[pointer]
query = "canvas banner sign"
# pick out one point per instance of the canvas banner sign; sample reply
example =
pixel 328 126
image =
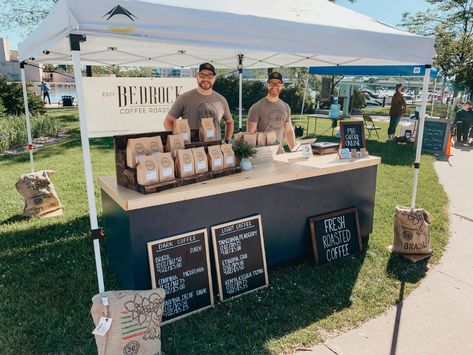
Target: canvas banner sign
pixel 118 106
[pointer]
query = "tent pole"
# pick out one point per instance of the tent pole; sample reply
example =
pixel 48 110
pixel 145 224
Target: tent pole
pixel 75 52
pixel 27 114
pixel 420 133
pixel 240 91
pixel 305 92
pixel 433 98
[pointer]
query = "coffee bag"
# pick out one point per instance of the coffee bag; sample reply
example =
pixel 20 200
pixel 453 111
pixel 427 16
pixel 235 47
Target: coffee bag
pixel 238 136
pixel 165 167
pixel 147 170
pixel 181 127
pixel 261 139
pixel 174 143
pixel 250 138
pixel 135 150
pixel 207 131
pixel 185 163
pixel 155 145
pixel 271 138
pixel 200 160
pixel 215 158
pixel 228 156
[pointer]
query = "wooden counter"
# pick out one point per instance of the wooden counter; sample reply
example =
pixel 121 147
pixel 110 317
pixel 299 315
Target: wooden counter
pixel 286 193
pixel 286 167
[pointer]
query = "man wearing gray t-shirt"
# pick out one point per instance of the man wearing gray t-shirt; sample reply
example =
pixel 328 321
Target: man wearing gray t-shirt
pixel 272 114
pixel 200 103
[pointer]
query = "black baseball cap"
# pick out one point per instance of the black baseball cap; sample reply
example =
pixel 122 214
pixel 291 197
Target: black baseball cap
pixel 207 66
pixel 275 75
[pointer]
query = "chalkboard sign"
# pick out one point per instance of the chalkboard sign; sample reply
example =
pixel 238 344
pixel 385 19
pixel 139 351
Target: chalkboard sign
pixel 181 266
pixel 335 235
pixel 240 258
pixel 352 135
pixel 435 135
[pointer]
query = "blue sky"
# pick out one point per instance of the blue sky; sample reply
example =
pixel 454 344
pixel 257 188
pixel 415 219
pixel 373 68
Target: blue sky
pixel 387 11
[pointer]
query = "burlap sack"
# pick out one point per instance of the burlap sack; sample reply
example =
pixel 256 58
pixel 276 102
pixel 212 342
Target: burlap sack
pixel 136 321
pixel 411 231
pixel 40 196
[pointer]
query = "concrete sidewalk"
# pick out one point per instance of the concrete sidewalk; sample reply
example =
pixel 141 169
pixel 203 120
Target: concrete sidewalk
pixel 437 317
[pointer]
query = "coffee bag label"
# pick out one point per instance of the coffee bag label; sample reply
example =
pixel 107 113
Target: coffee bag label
pixel 210 133
pixel 151 175
pixel 230 160
pixel 167 172
pixel 218 162
pixel 201 165
pixel 187 168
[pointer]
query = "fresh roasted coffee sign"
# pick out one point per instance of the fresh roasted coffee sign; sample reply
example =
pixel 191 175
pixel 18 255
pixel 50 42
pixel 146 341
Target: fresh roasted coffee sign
pixel 335 235
pixel 240 257
pixel 181 266
pixel 117 106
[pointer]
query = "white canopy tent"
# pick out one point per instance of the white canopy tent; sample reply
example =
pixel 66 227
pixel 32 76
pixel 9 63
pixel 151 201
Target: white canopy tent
pixel 227 33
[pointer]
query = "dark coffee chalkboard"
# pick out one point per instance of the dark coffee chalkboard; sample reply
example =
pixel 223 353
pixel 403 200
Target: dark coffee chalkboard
pixel 435 135
pixel 240 258
pixel 335 235
pixel 181 266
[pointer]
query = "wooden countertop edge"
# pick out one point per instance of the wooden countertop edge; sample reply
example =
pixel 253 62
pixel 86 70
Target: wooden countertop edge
pixel 227 184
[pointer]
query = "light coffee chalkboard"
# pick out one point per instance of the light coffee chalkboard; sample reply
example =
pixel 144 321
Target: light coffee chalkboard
pixel 352 135
pixel 335 235
pixel 240 258
pixel 181 266
pixel 436 134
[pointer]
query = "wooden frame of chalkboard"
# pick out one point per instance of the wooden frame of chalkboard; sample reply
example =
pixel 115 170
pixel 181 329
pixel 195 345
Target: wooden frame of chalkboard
pixel 191 272
pixel 358 125
pixel 254 278
pixel 436 135
pixel 335 242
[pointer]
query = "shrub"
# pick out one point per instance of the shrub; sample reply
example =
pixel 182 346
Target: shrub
pixel 13 129
pixel 11 99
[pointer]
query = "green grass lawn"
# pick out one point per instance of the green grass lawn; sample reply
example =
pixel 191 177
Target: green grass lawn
pixel 47 270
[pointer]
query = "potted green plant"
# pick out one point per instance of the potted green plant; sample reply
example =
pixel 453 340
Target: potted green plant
pixel 243 151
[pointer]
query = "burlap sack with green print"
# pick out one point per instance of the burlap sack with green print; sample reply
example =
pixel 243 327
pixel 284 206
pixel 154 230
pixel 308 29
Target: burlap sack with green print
pixel 411 231
pixel 136 322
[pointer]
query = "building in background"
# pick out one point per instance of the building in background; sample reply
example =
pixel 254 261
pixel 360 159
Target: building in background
pixel 10 66
pixel 176 72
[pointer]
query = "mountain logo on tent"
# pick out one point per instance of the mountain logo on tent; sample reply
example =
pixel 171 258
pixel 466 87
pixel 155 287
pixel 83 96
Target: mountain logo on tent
pixel 118 10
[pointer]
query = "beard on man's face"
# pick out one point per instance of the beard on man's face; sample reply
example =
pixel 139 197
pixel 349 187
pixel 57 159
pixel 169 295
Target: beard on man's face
pixel 205 84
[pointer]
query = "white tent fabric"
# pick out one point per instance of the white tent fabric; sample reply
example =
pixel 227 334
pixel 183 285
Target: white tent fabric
pixel 269 33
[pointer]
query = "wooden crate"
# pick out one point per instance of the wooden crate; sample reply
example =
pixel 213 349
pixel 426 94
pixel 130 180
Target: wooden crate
pixel 126 176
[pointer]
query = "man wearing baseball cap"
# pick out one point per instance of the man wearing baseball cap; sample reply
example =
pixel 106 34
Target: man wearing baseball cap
pixel 272 114
pixel 202 102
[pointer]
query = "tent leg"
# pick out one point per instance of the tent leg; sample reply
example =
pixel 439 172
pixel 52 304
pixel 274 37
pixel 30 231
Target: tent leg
pixel 75 52
pixel 305 91
pixel 27 114
pixel 240 90
pixel 420 133
pixel 433 99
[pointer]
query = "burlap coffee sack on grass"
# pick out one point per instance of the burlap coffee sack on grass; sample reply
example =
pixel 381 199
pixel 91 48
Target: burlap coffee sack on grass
pixel 136 321
pixel 411 231
pixel 40 196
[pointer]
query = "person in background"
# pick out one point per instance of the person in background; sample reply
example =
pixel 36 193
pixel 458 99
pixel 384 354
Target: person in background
pixel 202 102
pixel 272 114
pixel 463 121
pixel 398 108
pixel 45 90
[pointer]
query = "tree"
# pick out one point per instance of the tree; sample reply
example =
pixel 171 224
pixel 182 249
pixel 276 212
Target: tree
pixel 22 17
pixel 11 99
pixel 451 22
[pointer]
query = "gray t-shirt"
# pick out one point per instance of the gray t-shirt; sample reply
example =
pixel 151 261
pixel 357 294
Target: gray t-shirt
pixel 270 116
pixel 194 106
